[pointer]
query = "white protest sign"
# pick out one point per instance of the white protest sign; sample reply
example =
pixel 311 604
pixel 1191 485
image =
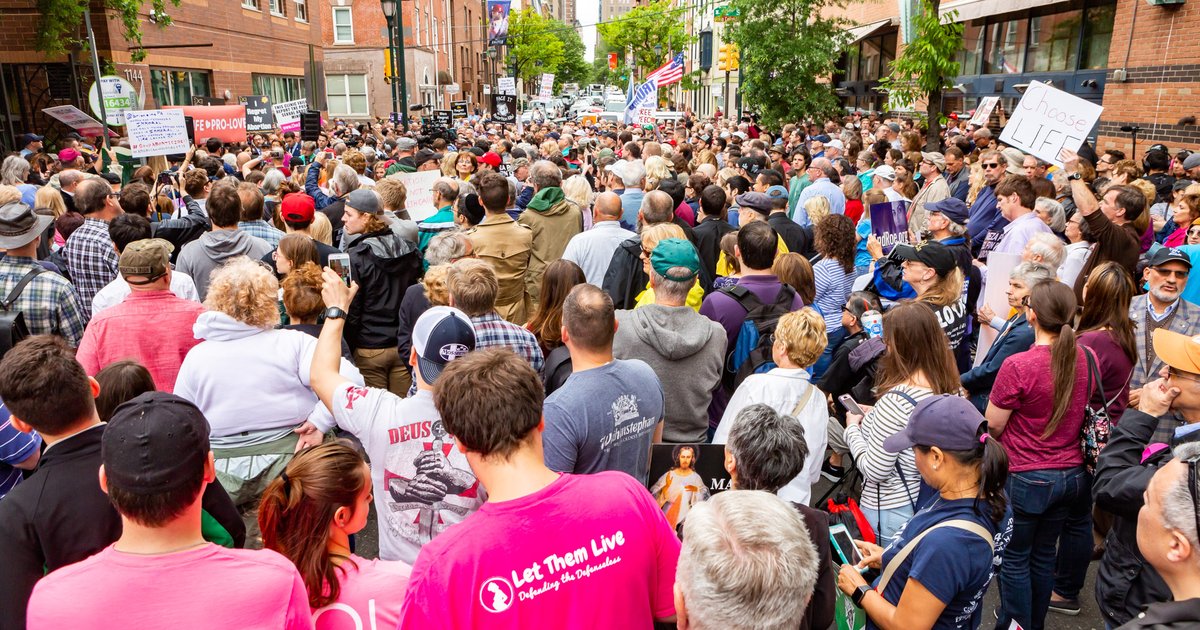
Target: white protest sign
pixel 999 266
pixel 420 193
pixel 506 85
pixel 1048 120
pixel 156 132
pixel 984 111
pixel 73 117
pixel 287 114
pixel 547 87
pixel 644 115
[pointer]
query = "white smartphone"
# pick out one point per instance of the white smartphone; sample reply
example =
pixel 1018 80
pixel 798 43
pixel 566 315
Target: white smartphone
pixel 340 264
pixel 843 544
pixel 847 401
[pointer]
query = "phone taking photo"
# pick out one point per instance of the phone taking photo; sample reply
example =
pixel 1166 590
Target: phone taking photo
pixel 843 545
pixel 340 264
pixel 847 401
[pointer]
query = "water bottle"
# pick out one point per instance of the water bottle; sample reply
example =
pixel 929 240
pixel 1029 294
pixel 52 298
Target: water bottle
pixel 872 322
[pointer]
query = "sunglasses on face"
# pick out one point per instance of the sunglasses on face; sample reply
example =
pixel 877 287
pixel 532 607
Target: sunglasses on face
pixel 990 166
pixel 1182 274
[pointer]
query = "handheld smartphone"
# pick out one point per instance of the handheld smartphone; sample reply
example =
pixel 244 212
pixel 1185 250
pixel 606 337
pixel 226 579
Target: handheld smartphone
pixel 165 178
pixel 340 264
pixel 843 545
pixel 846 400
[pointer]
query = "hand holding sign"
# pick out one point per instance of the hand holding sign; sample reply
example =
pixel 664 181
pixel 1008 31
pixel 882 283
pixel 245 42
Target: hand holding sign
pixel 1048 121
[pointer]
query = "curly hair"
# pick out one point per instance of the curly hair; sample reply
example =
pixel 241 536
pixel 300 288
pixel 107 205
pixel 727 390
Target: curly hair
pixel 834 236
pixel 245 290
pixel 302 293
pixel 434 285
pixel 803 336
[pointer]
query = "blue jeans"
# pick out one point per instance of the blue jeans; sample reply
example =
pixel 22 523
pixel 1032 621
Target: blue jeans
pixel 1075 548
pixel 1040 501
pixel 833 340
pixel 887 522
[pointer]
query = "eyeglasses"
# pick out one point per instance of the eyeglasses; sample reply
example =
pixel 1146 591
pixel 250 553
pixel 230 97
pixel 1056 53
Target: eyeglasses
pixel 1173 373
pixel 1182 274
pixel 990 166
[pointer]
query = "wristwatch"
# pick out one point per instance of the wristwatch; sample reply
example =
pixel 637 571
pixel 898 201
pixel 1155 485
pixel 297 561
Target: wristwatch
pixel 334 312
pixel 1074 176
pixel 859 594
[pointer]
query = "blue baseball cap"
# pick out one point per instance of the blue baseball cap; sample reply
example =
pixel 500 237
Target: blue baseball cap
pixel 776 192
pixel 948 422
pixel 952 208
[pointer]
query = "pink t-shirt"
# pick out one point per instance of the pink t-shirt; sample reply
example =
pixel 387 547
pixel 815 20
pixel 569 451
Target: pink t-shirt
pixel 203 588
pixel 372 592
pixel 1025 384
pixel 587 551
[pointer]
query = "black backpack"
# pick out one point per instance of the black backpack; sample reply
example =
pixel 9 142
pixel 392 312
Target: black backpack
pixel 751 351
pixel 12 323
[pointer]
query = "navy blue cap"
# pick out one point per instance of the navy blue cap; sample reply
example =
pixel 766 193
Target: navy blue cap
pixel 441 335
pixel 948 422
pixel 952 208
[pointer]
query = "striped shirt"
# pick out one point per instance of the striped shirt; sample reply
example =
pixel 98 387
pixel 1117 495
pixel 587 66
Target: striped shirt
pixel 882 487
pixel 15 447
pixel 833 289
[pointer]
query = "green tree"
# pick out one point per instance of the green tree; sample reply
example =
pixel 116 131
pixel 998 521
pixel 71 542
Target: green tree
pixel 62 23
pixel 788 49
pixel 573 68
pixel 927 66
pixel 643 28
pixel 534 45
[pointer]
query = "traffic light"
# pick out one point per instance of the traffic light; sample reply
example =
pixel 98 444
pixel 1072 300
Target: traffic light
pixel 735 61
pixel 727 58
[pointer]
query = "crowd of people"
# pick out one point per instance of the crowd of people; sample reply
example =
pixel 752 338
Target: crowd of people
pixel 218 367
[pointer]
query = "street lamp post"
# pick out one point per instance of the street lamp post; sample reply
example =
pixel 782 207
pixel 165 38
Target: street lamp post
pixel 395 20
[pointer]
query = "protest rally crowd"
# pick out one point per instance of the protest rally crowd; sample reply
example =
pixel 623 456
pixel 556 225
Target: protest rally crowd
pixel 216 364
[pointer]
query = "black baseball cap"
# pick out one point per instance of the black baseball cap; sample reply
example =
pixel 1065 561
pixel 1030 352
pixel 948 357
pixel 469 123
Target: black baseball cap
pixel 1169 254
pixel 931 253
pixel 751 163
pixel 155 443
pixel 441 335
pixel 425 155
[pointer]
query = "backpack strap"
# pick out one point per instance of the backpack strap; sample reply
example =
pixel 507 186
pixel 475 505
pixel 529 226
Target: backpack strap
pixel 902 555
pixel 744 297
pixel 8 302
pixel 808 394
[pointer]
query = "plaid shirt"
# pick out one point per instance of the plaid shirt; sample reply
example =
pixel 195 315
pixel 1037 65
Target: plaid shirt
pixel 262 230
pixel 492 331
pixel 91 260
pixel 49 303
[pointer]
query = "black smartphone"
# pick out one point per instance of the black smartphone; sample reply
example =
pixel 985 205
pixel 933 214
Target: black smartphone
pixel 191 129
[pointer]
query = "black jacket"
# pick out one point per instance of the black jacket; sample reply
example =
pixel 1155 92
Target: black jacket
pixel 798 238
pixel 59 516
pixel 820 611
pixel 709 232
pixel 625 278
pixel 1125 582
pixel 1184 615
pixel 334 212
pixel 414 303
pixel 185 229
pixel 384 266
pixel 839 378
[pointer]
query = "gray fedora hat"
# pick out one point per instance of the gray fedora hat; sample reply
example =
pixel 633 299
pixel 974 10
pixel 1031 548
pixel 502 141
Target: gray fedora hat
pixel 19 225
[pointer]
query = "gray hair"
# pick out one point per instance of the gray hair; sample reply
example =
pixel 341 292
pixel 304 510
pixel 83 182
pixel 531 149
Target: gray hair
pixel 271 181
pixel 675 291
pixel 758 435
pixel 344 180
pixel 14 170
pixel 748 561
pixel 445 247
pixel 1058 216
pixel 447 188
pixel 1178 509
pixel 635 174
pixel 1049 247
pixel 1032 273
pixel 545 174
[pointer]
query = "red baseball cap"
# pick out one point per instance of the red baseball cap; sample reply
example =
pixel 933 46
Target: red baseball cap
pixel 298 208
pixel 491 158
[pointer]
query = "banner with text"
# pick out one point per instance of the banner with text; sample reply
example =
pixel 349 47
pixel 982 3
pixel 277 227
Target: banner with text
pixel 420 193
pixel 498 22
pixel 156 132
pixel 1048 120
pixel 226 123
pixel 458 109
pixel 76 119
pixel 287 114
pixel 984 111
pixel 546 89
pixel 504 108
pixel 889 223
pixel 506 85
pixel 258 113
pixel 646 95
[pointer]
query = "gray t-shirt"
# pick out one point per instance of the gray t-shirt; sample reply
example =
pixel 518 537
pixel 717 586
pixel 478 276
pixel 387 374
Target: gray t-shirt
pixel 604 419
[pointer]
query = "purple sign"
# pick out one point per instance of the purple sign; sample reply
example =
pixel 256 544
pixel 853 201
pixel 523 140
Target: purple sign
pixel 889 223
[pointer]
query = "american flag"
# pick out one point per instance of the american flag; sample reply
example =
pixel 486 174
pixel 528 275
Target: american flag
pixel 669 73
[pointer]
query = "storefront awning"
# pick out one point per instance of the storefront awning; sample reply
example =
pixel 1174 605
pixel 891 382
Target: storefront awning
pixel 972 9
pixel 859 33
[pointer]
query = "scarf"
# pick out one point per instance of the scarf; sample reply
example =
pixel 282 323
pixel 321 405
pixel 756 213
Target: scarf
pixel 546 198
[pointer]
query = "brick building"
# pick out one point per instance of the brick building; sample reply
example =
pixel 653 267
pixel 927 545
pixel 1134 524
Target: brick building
pixel 221 49
pixel 1130 56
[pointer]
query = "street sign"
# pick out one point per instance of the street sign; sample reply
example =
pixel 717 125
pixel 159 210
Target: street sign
pixel 119 97
pixel 452 88
pixel 725 13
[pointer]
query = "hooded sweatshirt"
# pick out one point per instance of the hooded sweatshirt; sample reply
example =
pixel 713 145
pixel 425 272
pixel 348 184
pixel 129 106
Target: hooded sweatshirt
pixel 250 379
pixel 554 220
pixel 687 352
pixel 201 257
pixel 384 266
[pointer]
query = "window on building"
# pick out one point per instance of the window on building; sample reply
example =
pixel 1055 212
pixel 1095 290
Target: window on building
pixel 279 7
pixel 347 94
pixel 279 89
pixel 435 32
pixel 1097 35
pixel 343 26
pixel 416 32
pixel 1054 42
pixel 177 87
pixel 301 10
pixel 250 4
pixel 1005 47
pixel 970 56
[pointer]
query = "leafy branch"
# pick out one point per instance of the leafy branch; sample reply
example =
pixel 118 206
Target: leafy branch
pixel 62 20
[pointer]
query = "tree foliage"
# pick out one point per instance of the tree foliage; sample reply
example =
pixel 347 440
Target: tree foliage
pixel 62 23
pixel 927 66
pixel 644 27
pixel 573 68
pixel 787 51
pixel 534 44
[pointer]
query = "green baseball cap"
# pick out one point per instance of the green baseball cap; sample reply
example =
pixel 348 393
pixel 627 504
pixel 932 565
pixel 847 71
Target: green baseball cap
pixel 675 252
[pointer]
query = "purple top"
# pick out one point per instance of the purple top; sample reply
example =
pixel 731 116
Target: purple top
pixel 726 311
pixel 1025 385
pixel 1115 369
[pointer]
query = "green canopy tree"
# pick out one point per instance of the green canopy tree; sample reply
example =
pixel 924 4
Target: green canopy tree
pixel 534 45
pixel 62 24
pixel 927 66
pixel 573 68
pixel 788 49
